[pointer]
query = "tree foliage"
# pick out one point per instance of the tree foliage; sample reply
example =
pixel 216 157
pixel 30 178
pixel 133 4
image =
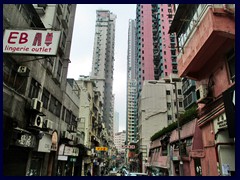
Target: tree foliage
pixel 184 118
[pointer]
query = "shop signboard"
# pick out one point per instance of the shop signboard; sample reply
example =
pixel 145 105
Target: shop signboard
pixel 128 146
pixel 68 151
pixel 220 122
pixel 101 149
pixel 26 140
pixel 23 138
pixel 45 143
pixel 35 42
pixel 61 149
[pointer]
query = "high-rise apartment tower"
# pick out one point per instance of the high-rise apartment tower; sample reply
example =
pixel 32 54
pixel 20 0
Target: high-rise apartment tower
pixel 103 62
pixel 131 84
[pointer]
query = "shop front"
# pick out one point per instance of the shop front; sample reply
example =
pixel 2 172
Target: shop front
pixel 67 157
pixel 41 160
pixel 15 157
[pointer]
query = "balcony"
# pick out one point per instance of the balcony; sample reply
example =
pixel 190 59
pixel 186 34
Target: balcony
pixel 188 86
pixel 213 37
pixel 189 100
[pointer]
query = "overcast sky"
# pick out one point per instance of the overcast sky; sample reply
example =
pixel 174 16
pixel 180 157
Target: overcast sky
pixel 82 48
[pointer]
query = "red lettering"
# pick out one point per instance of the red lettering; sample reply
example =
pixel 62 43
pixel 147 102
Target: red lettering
pixel 12 37
pixel 23 38
pixel 48 39
pixel 37 39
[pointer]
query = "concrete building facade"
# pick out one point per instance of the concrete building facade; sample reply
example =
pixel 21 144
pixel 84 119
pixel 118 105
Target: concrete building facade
pixel 38 105
pixel 157 109
pixel 119 141
pixel 131 85
pixel 116 122
pixel 207 55
pixel 103 62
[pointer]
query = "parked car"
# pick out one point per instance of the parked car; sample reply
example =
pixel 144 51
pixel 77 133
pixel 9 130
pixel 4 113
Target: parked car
pixel 125 172
pixel 112 173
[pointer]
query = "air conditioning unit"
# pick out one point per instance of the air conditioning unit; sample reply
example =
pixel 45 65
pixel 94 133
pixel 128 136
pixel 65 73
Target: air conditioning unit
pixel 201 92
pixel 36 104
pixel 65 134
pixel 48 124
pixel 38 121
pixel 22 69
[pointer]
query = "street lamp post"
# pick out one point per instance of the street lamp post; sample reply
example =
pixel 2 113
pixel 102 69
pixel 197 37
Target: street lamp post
pixel 179 135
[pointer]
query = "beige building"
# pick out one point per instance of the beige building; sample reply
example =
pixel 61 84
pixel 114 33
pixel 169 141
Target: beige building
pixel 92 126
pixel 119 141
pixel 157 109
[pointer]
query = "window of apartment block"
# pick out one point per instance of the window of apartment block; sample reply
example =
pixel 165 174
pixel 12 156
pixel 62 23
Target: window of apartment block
pixel 168 92
pixel 180 104
pixel 169 117
pixel 73 121
pixel 59 71
pixel 169 105
pixel 11 77
pixel 231 64
pixel 34 89
pixel 179 91
pixel 58 109
pixel 45 98
pixel 63 113
pixel 68 117
pixel 55 106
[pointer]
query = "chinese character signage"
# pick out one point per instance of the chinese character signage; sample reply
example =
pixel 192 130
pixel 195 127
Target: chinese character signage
pixel 128 146
pixel 36 42
pixel 101 148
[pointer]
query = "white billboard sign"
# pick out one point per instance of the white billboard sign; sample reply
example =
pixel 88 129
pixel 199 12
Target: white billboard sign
pixel 36 42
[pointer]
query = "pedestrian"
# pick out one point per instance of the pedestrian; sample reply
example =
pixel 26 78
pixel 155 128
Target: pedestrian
pixel 102 172
pixel 89 173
